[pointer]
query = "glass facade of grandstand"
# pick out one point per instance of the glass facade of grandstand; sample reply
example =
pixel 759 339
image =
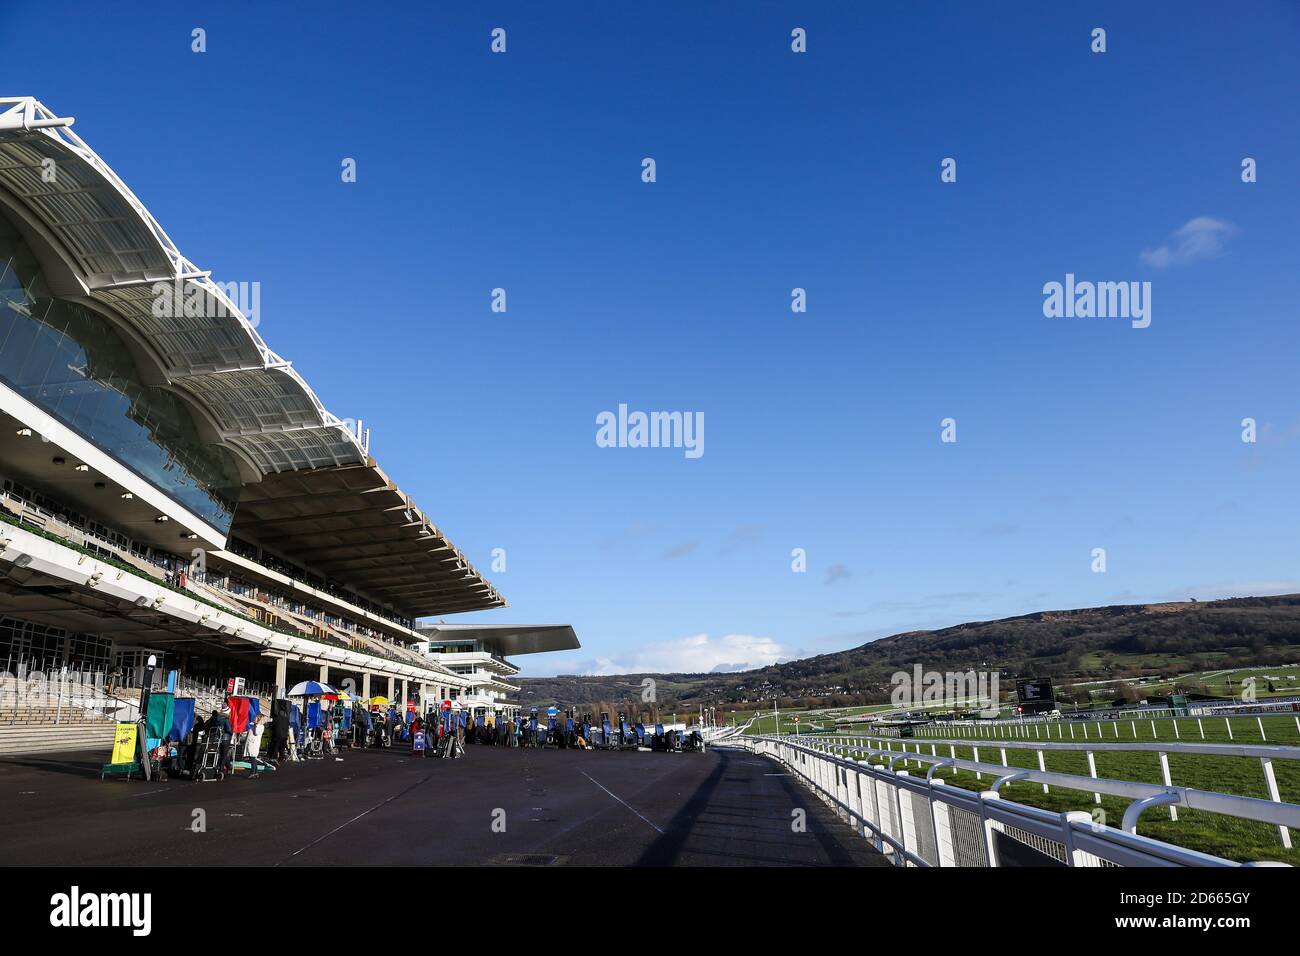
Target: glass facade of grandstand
pixel 66 359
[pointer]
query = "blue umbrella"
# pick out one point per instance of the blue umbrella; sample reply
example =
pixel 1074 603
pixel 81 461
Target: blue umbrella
pixel 310 688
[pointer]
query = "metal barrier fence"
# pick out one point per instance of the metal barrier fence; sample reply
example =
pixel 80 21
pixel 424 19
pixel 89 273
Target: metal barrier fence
pixel 1266 755
pixel 927 822
pixel 1116 728
pixel 52 697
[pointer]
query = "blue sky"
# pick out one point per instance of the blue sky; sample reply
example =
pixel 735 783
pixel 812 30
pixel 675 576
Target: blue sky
pixel 775 170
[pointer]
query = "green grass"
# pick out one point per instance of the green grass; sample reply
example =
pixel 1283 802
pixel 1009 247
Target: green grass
pixel 1224 683
pixel 764 723
pixel 1223 836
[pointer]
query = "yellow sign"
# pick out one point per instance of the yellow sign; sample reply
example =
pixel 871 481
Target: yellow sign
pixel 124 743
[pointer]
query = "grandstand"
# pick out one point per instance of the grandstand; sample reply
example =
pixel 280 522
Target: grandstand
pixel 172 487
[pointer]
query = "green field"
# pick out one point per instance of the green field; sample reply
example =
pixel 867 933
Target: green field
pixel 1210 833
pixel 765 723
pixel 1231 682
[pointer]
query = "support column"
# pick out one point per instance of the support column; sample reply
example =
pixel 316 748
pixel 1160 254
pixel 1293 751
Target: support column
pixel 324 673
pixel 405 698
pixel 282 673
pixel 391 689
pixel 365 684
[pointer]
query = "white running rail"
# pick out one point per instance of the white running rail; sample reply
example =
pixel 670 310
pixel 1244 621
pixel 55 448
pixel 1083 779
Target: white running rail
pixel 923 821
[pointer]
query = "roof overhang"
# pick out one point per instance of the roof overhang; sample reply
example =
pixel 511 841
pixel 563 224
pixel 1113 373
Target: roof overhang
pixel 353 524
pixel 507 640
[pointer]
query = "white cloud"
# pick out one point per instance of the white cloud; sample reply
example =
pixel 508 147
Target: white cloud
pixel 1196 239
pixel 695 655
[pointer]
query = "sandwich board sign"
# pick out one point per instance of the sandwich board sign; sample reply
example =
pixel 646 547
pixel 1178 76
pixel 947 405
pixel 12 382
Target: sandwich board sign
pixel 125 740
pixel 124 743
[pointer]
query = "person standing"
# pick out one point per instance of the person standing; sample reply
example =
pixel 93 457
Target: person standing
pixel 219 723
pixel 253 746
pixel 279 730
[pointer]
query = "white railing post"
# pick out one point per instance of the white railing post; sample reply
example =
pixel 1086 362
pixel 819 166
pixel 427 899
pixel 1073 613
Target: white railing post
pixel 1271 782
pixel 987 827
pixel 906 820
pixel 855 791
pixel 876 820
pixel 842 779
pixel 943 839
pixel 1164 773
pixel 883 815
pixel 1073 855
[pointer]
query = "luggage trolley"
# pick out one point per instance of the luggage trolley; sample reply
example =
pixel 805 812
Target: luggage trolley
pixel 207 759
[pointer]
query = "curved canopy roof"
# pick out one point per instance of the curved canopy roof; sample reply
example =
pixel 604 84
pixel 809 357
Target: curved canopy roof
pixel 256 402
pixel 320 500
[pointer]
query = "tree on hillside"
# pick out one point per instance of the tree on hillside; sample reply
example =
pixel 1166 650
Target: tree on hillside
pixel 1127 693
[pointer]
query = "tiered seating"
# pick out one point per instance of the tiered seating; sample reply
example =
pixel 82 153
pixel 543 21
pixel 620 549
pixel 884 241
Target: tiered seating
pixel 42 738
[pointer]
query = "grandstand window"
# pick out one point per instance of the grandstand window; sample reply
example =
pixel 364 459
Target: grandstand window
pixel 69 361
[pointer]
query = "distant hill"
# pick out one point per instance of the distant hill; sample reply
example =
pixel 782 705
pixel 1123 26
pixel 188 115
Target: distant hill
pixel 1118 641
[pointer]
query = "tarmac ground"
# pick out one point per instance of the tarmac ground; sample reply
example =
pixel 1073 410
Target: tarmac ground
pixel 496 806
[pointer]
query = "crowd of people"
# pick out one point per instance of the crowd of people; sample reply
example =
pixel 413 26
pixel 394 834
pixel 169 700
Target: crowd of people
pixel 231 737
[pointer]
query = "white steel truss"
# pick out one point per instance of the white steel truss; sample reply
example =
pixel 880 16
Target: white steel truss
pixel 259 404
